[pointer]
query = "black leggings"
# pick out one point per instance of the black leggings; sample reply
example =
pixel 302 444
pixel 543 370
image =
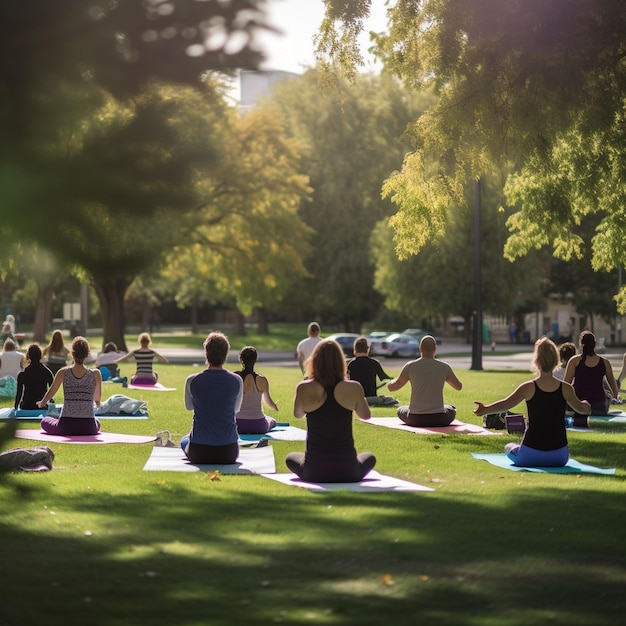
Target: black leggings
pixel 431 420
pixel 324 471
pixel 212 455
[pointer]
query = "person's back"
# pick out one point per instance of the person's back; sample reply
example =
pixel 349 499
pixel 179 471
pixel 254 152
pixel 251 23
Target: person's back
pixel 306 346
pixel 329 431
pixel 33 382
pixel 365 370
pixel 546 414
pixel 427 376
pixel 11 361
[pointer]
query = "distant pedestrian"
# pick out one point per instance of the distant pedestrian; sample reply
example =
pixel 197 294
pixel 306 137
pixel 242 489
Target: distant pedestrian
pixel 306 346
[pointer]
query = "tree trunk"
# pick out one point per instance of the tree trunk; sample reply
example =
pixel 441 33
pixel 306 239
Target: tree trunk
pixel 111 294
pixel 239 323
pixel 42 312
pixel 194 318
pixel 263 325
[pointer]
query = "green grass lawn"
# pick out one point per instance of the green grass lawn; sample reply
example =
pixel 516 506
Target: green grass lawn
pixel 98 541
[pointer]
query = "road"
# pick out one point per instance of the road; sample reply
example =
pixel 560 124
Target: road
pixel 460 357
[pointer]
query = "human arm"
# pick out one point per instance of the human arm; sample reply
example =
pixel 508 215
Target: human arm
pixel 580 406
pixel 622 372
pixel 453 381
pixel 20 390
pixel 571 369
pixel 300 356
pixel 523 392
pixel 97 392
pixel 264 387
pixel 188 396
pixel 56 383
pixel 127 356
pixel 610 377
pixel 160 357
pixel 400 381
pixel 299 399
pixel 380 372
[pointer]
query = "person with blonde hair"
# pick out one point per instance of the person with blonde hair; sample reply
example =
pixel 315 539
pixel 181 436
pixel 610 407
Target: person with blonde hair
pixel 144 356
pixel 55 354
pixel 327 399
pixel 545 441
pixel 82 388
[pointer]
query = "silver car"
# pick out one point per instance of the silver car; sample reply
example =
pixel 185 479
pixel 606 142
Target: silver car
pixel 395 345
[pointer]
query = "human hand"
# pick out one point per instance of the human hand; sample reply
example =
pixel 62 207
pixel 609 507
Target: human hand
pixel 587 404
pixel 480 409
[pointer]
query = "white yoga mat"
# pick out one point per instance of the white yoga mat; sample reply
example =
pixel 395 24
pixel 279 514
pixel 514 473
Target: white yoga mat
pixel 456 427
pixel 372 483
pixel 250 461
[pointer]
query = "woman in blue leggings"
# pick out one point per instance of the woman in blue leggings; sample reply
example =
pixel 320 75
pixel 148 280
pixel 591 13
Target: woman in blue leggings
pixel 545 441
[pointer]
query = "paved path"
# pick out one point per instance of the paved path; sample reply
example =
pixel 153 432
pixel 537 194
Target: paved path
pixel 460 357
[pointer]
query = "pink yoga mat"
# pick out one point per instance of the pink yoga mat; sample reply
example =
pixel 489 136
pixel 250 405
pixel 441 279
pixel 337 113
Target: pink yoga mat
pixel 456 427
pixel 40 435
pixel 155 387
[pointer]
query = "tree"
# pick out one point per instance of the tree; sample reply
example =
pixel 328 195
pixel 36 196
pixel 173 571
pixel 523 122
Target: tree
pixel 536 87
pixel 353 137
pixel 438 279
pixel 141 173
pixel 256 253
pixel 58 59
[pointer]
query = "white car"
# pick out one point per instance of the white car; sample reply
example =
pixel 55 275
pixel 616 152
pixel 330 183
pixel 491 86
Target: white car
pixel 395 345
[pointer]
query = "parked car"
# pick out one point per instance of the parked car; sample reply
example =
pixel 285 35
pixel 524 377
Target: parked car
pixel 346 341
pixel 380 334
pixel 418 333
pixel 395 345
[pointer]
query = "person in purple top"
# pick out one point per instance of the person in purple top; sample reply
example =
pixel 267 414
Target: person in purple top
pixel 587 372
pixel 214 395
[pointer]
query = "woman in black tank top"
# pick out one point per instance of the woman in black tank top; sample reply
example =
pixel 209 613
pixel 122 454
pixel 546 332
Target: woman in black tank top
pixel 327 399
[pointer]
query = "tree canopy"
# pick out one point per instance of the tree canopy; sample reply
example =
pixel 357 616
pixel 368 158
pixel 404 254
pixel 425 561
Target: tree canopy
pixel 535 87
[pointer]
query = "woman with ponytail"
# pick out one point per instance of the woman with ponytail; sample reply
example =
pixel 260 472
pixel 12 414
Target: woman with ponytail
pixel 586 372
pixel 256 389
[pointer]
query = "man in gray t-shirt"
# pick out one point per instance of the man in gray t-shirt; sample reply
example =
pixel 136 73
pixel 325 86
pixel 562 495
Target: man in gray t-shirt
pixel 427 376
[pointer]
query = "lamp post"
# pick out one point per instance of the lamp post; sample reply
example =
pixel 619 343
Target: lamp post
pixel 477 337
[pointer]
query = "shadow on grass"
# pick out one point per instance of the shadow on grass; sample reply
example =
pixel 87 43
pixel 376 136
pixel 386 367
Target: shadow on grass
pixel 237 553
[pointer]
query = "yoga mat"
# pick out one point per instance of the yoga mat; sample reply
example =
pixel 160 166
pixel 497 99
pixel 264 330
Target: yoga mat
pixel 157 387
pixel 280 432
pixel 35 415
pixel 103 437
pixel 572 467
pixel 372 483
pixel 456 428
pixel 617 417
pixel 250 461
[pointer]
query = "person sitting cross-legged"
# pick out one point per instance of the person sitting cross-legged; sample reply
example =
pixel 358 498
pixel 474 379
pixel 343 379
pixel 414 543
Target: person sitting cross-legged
pixel 427 376
pixel 366 370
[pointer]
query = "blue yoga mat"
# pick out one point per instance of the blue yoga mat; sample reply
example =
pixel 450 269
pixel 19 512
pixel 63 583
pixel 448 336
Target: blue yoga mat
pixel 35 415
pixel 572 467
